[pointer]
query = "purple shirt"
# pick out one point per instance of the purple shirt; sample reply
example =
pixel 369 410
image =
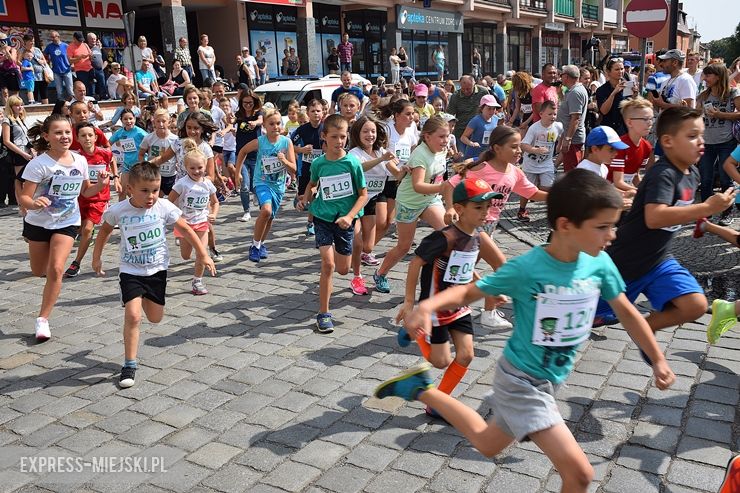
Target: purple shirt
pixel 345 52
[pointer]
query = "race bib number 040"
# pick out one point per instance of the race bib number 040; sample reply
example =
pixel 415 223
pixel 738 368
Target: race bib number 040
pixel 146 236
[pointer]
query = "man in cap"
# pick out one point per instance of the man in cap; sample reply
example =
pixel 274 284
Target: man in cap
pixel 680 89
pixel 465 102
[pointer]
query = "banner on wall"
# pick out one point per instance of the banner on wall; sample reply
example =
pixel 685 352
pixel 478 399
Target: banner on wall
pixel 57 12
pixel 265 42
pixel 13 11
pixel 103 14
pixel 15 35
pixel 294 3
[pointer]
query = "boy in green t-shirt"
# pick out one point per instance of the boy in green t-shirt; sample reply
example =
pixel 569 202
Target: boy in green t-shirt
pixel 555 288
pixel 341 195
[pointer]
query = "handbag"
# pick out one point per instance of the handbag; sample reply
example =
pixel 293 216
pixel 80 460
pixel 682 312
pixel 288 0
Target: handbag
pixel 48 74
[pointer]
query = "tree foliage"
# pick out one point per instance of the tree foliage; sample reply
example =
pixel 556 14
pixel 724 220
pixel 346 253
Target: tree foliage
pixel 727 48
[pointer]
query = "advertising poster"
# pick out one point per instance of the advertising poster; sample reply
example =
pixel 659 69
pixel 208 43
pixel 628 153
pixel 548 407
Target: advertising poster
pixel 285 41
pixel 328 41
pixel 15 35
pixel 265 42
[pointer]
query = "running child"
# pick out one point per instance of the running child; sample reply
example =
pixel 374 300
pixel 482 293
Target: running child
pixel 342 194
pixel 624 170
pixel 444 259
pixel 368 140
pixel 538 146
pixel 602 146
pixel 665 201
pixel 154 144
pixel 555 288
pixel 129 138
pixel 144 256
pixel 292 123
pixel 307 144
pixel 275 158
pixel 80 113
pixel 229 146
pixel 349 106
pixel 195 195
pixel 92 208
pixel 53 181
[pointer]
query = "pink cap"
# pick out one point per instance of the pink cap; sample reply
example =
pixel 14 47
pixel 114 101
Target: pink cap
pixel 421 90
pixel 489 100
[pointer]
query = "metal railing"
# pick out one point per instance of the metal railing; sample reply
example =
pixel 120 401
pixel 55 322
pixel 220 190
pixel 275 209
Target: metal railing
pixel 533 4
pixel 590 11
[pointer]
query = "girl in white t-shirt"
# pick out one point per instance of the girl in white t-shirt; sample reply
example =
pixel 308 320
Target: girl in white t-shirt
pixel 52 182
pixel 195 195
pixel 155 144
pixel 368 140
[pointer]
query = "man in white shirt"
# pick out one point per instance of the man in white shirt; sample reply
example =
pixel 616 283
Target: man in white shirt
pixel 79 92
pixel 692 68
pixel 251 64
pixel 680 89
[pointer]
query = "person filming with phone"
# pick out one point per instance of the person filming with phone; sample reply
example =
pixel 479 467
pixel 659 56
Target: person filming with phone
pixel 612 92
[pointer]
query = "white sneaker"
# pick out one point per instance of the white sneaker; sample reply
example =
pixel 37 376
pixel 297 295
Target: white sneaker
pixel 42 330
pixel 494 320
pixel 246 217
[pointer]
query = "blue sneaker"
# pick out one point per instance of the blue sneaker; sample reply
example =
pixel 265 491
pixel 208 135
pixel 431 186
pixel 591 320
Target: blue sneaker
pixel 602 321
pixel 310 231
pixel 403 337
pixel 381 283
pixel 254 254
pixel 407 385
pixel 324 323
pixel 263 252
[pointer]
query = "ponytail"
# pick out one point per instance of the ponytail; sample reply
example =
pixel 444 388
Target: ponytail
pixel 35 133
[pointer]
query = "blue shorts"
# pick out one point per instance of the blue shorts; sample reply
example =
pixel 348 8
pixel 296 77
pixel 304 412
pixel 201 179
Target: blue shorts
pixel 229 157
pixel 665 282
pixel 328 234
pixel 266 194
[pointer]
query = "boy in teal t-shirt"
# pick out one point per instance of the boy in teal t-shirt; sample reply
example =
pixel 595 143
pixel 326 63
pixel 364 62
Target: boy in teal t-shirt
pixel 555 289
pixel 341 194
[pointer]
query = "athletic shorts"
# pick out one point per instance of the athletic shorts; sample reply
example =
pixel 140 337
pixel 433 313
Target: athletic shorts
pixel 441 334
pixel 665 282
pixel 369 209
pixel 328 234
pixel 92 210
pixel 229 157
pixel 405 215
pixel 150 287
pixel 218 149
pixel 37 233
pixel 167 183
pixel 521 403
pixel 197 227
pixel 545 179
pixel 390 189
pixel 266 194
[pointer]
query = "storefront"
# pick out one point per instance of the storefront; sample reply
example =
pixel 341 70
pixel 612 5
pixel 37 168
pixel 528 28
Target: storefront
pixel 272 30
pixel 520 49
pixel 423 31
pixel 366 29
pixel 576 55
pixel 41 17
pixel 482 37
pixel 328 30
pixel 552 43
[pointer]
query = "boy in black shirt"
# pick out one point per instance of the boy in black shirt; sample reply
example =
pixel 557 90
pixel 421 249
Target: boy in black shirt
pixel 307 145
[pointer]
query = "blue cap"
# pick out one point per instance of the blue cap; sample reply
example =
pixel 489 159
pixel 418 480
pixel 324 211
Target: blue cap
pixel 627 63
pixel 604 135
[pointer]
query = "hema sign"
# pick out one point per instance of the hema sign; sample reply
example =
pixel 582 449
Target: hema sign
pixel 428 20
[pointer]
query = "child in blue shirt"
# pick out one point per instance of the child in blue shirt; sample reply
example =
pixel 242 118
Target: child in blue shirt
pixel 555 289
pixel 129 140
pixel 27 80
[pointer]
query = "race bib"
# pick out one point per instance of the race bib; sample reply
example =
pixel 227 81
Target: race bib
pixel 272 165
pixel 422 121
pixel 66 187
pixel 196 201
pixel 460 267
pixel 402 152
pixel 564 319
pixel 336 187
pixel 679 203
pixel 143 236
pixel 526 108
pixel 94 170
pixel 128 145
pixel 308 157
pixel 486 137
pixel 375 185
pixel 627 178
pixel 168 169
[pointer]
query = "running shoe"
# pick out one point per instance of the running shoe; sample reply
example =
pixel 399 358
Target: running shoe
pixel 723 319
pixel 324 323
pixel 369 259
pixel 357 284
pixel 42 330
pixel 381 283
pixel 254 254
pixel 700 228
pixel 310 231
pixel 602 321
pixel 199 288
pixel 408 385
pixel 731 484
pixel 403 338
pixel 74 270
pixel 494 319
pixel 263 252
pixel 245 218
pixel 128 377
pixel 523 216
pixel 724 218
pixel 220 196
pixel 216 256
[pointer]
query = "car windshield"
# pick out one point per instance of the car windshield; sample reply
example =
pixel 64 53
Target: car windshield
pixel 279 98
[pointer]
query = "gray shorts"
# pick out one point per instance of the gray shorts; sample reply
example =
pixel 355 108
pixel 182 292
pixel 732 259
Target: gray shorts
pixel 545 179
pixel 522 404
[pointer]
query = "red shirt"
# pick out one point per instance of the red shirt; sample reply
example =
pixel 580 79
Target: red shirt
pixel 100 157
pixel 540 94
pixel 629 161
pixel 100 140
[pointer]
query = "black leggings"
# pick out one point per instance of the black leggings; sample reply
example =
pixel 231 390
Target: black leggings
pixel 40 90
pixel 7 183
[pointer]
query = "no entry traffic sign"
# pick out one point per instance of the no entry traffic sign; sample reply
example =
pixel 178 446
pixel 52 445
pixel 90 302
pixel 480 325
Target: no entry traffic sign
pixel 645 18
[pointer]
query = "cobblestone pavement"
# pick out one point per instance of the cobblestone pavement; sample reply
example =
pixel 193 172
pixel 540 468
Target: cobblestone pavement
pixel 236 392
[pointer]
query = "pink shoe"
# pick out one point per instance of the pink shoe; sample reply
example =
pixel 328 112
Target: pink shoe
pixel 358 286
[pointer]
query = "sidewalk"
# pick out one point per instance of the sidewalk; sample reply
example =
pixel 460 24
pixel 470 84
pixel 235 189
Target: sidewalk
pixel 236 392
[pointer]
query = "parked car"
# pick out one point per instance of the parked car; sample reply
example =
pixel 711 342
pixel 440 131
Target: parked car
pixel 302 90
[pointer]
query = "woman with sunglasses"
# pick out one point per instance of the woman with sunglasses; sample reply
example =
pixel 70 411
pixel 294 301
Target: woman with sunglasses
pixel 611 94
pixel 248 128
